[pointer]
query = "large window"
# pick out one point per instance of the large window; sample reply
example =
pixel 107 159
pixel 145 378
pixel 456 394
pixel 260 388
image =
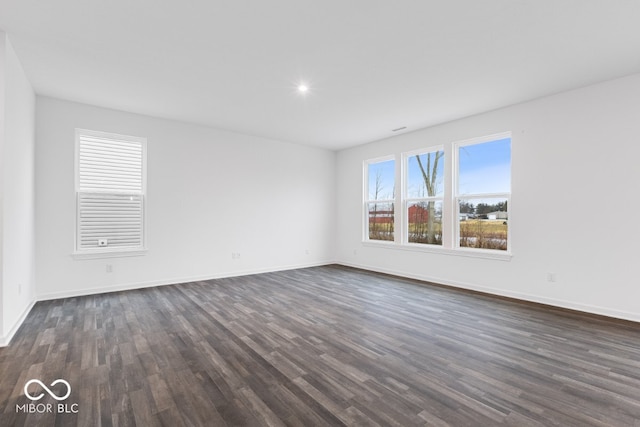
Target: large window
pixel 482 193
pixel 454 197
pixel 110 192
pixel 380 199
pixel 424 194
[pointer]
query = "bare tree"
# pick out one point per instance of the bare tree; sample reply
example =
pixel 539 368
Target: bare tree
pixel 373 231
pixel 430 176
pixel 382 227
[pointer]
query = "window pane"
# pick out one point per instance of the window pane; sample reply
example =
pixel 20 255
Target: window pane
pixel 110 189
pixel 483 223
pixel 381 218
pixel 425 173
pixel 381 181
pixel 485 167
pixel 114 219
pixel 425 222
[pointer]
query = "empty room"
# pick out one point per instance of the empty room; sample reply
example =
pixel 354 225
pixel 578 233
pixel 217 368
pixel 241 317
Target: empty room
pixel 319 213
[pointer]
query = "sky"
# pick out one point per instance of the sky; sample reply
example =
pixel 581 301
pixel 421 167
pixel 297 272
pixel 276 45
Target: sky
pixel 385 171
pixel 484 168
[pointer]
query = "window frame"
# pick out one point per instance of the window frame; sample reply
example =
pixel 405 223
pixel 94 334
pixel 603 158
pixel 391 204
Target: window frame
pixel 118 251
pixel 366 201
pixel 457 196
pixel 450 201
pixel 406 200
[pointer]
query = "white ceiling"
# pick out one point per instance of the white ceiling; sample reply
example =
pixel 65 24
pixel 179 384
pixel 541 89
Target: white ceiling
pixel 372 65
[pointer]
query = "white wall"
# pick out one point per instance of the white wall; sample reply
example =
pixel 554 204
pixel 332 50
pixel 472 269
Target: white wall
pixel 210 193
pixel 17 192
pixel 3 78
pixel 575 199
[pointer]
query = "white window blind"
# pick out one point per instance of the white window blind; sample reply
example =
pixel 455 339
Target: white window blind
pixel 110 192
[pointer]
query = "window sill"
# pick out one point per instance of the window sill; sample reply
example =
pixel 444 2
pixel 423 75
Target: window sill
pixel 118 253
pixel 466 252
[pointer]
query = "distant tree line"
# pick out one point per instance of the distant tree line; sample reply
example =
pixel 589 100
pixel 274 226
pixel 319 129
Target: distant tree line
pixel 482 208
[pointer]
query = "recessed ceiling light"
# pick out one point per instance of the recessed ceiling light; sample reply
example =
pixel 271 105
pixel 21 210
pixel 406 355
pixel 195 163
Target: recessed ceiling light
pixel 303 88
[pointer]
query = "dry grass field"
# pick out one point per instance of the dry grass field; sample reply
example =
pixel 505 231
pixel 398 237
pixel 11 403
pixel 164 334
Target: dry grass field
pixel 484 233
pixel 474 233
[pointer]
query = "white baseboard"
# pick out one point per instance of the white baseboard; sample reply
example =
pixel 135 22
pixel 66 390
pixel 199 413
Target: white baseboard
pixel 601 311
pixel 6 339
pixel 169 281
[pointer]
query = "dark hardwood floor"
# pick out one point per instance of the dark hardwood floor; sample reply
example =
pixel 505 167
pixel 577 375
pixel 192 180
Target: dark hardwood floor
pixel 319 346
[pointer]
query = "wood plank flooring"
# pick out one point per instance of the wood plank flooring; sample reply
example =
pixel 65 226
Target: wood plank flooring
pixel 325 346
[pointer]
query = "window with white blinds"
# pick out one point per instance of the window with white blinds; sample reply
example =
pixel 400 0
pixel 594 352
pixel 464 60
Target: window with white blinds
pixel 110 192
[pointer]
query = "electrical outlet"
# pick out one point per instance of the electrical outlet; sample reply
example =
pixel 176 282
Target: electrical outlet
pixel 235 255
pixel 306 251
pixel 551 277
pixel 109 268
pixel 19 288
